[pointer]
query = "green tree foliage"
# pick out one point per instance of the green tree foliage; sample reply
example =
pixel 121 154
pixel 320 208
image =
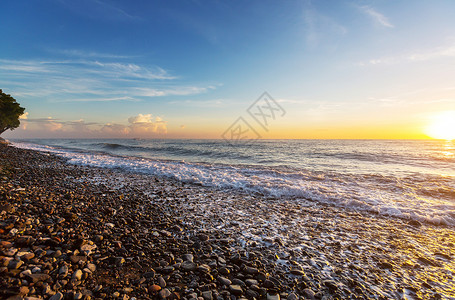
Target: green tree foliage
pixel 10 111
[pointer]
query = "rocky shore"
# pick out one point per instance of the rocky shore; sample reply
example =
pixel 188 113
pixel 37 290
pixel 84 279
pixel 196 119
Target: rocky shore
pixel 73 232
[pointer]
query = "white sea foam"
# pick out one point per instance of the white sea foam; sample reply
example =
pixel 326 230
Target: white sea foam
pixel 385 196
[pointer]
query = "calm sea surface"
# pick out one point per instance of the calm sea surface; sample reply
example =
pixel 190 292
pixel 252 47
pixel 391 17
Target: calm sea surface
pixel 412 179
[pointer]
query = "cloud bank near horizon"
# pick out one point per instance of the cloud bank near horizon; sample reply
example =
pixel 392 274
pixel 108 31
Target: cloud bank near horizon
pixel 138 126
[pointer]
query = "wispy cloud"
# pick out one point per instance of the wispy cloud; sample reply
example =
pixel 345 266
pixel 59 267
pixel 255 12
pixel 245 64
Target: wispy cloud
pixel 99 10
pixel 101 99
pixel 87 67
pixel 448 51
pixel 87 54
pixel 203 103
pixel 319 27
pixel 415 56
pixel 376 16
pixel 174 91
pixel 81 80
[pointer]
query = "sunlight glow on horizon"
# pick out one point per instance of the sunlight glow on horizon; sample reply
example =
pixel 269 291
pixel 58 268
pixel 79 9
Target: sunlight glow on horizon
pixel 442 126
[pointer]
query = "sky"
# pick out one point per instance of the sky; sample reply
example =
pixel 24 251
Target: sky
pixel 219 69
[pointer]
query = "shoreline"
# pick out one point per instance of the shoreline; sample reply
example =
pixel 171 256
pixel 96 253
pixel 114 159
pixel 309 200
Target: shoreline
pixel 90 233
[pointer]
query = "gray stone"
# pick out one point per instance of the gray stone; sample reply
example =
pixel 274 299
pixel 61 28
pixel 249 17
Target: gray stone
pixel 331 284
pixel 203 237
pixel 251 282
pixel 292 296
pixel 251 270
pixel 164 293
pixel 161 282
pixel 297 271
pixel 273 297
pixel 238 282
pixel 224 281
pixel 188 257
pixel 15 264
pixel 57 296
pixel 207 295
pixel 236 289
pixel 167 270
pixel 63 272
pixel 309 294
pixel 252 294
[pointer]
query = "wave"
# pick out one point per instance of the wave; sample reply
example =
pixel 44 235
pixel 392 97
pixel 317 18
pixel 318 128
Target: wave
pixel 423 198
pixel 112 146
pixel 170 150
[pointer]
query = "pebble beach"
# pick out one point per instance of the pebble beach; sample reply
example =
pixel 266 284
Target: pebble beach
pixel 78 232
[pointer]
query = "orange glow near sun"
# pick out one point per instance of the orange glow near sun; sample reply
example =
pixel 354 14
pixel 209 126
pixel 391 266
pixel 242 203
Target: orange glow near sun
pixel 442 126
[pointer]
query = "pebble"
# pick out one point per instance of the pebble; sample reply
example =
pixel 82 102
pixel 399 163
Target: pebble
pixel 63 271
pixel 236 289
pixel 24 290
pixel 203 237
pixel 155 288
pixel 250 270
pixel 308 293
pixel 224 281
pixel 207 295
pixel 77 275
pixel 188 257
pixel 203 268
pixel 38 277
pixel 292 296
pixel 273 297
pixel 173 241
pixel 57 296
pixel 161 282
pixel 15 264
pixel 164 293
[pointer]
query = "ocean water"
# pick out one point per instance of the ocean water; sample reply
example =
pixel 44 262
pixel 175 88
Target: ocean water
pixel 410 179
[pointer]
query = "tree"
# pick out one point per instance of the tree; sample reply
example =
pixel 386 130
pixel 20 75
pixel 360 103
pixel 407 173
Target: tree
pixel 10 111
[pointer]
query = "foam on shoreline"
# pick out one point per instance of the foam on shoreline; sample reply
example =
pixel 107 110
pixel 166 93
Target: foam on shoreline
pixel 373 193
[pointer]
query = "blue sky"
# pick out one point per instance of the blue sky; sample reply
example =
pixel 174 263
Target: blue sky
pixel 340 69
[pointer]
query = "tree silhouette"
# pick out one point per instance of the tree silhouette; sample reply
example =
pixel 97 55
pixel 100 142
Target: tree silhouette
pixel 10 111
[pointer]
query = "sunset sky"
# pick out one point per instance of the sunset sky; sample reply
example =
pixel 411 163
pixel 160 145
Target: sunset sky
pixel 190 69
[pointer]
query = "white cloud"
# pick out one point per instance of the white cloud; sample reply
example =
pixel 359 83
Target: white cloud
pixel 48 124
pixel 110 129
pixel 141 125
pixel 140 118
pixel 377 17
pixel 77 80
pixel 23 116
pixel 144 124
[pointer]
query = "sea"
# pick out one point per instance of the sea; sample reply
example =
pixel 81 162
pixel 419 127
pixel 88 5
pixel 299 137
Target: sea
pixel 408 179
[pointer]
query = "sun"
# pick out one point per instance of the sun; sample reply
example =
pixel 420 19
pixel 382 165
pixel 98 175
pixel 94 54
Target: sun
pixel 442 126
